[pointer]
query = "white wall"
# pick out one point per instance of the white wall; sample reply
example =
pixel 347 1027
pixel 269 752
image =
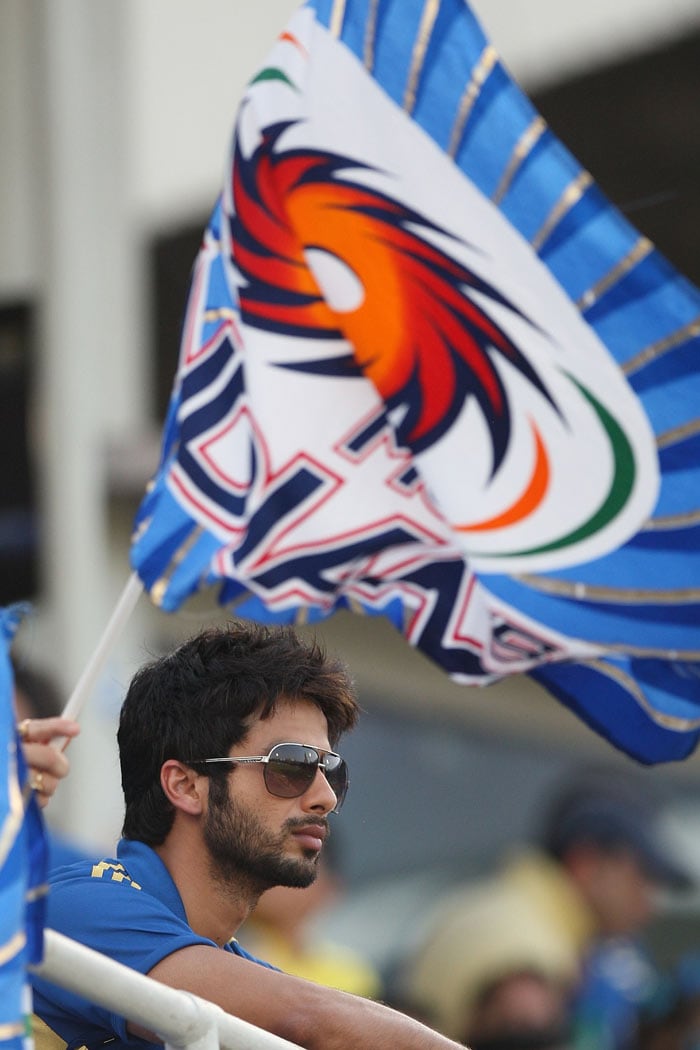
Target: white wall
pixel 17 249
pixel 186 73
pixel 546 40
pixel 184 67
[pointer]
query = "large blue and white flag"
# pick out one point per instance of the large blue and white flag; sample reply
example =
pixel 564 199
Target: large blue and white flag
pixel 23 861
pixel 428 371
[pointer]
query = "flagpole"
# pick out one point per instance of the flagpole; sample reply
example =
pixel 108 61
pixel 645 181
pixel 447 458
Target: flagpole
pixel 88 679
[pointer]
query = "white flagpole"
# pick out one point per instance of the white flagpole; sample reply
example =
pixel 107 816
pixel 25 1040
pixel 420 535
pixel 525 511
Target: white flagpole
pixel 88 679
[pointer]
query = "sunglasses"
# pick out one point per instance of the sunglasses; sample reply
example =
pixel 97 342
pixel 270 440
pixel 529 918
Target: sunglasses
pixel 290 769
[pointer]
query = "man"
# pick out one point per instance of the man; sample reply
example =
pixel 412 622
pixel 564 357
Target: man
pixel 604 831
pixel 229 772
pixel 570 911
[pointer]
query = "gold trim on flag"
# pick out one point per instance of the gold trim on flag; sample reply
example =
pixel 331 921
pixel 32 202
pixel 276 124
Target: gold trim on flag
pixel 654 652
pixel 224 313
pixel 335 24
pixel 480 73
pixel 157 591
pixel 12 1029
pixel 654 350
pixel 632 686
pixel 569 198
pixel 430 13
pixel 523 148
pixel 639 251
pixel 676 434
pixel 37 892
pixel 370 33
pixel 597 593
pixel 673 521
pixel 143 526
pixel 12 948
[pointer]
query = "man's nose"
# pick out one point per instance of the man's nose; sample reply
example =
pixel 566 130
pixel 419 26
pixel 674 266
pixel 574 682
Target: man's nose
pixel 320 795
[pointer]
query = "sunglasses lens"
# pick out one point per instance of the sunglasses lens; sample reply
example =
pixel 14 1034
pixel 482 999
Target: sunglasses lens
pixel 336 771
pixel 290 770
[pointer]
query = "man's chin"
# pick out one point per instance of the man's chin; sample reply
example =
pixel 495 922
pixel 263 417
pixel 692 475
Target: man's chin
pixel 302 873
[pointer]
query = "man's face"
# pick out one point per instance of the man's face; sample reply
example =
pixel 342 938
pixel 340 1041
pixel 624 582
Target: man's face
pixel 521 1005
pixel 622 894
pixel 252 835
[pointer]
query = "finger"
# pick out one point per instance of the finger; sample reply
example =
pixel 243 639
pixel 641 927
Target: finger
pixel 46 759
pixel 43 785
pixel 44 730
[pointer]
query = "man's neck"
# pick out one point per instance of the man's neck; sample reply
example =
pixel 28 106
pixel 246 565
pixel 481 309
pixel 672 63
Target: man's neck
pixel 215 909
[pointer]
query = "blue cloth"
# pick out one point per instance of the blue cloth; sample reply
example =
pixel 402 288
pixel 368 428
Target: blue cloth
pixel 129 909
pixel 22 859
pixel 618 980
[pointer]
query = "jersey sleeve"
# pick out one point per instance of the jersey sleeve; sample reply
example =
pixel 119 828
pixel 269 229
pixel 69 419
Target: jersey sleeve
pixel 104 909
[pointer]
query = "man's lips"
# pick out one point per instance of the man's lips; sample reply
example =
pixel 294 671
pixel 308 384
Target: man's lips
pixel 311 836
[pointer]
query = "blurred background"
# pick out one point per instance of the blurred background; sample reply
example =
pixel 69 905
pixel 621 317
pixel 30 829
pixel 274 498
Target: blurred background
pixel 115 119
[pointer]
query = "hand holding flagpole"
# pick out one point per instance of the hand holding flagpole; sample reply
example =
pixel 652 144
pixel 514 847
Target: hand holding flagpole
pixel 47 763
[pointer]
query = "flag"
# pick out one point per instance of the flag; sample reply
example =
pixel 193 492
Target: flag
pixel 428 371
pixel 23 864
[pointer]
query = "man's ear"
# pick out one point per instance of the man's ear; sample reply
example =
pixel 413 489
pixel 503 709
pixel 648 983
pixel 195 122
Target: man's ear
pixel 182 786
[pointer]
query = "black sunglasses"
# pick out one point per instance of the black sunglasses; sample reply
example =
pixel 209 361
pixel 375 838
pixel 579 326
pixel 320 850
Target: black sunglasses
pixel 290 769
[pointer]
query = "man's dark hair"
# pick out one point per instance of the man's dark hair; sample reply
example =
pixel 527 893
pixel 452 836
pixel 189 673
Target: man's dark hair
pixel 614 810
pixel 200 700
pixel 595 804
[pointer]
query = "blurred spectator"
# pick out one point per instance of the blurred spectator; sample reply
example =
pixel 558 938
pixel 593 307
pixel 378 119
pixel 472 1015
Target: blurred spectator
pixel 604 831
pixel 672 1019
pixel 525 1010
pixel 37 697
pixel 283 931
pixel 485 938
pixel 570 910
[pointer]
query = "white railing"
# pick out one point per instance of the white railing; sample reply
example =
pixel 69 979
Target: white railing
pixel 181 1020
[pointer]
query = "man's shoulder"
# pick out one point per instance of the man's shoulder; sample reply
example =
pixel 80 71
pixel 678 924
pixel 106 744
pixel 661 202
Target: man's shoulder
pixel 125 907
pixel 86 880
pixel 112 870
pixel 134 865
pixel 94 901
pixel 105 870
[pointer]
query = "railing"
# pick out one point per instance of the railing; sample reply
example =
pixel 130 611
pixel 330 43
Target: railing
pixel 181 1020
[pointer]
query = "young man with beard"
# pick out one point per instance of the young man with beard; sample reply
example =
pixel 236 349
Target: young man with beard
pixel 229 773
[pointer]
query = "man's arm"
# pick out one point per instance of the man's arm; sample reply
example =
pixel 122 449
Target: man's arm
pixel 311 1015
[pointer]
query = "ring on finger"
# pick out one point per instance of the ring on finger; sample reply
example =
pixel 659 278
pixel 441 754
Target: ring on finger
pixel 36 781
pixel 23 728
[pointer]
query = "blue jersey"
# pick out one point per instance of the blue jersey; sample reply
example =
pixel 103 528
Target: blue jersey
pixel 617 982
pixel 129 909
